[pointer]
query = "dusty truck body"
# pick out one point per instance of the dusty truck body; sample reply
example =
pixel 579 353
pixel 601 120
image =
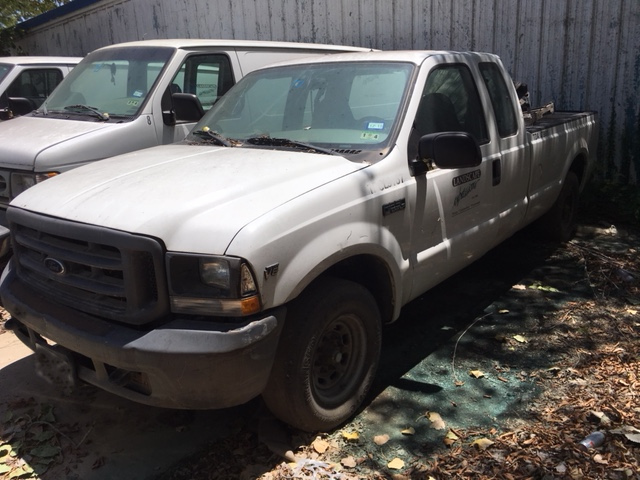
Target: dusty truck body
pixel 25 82
pixel 126 97
pixel 262 255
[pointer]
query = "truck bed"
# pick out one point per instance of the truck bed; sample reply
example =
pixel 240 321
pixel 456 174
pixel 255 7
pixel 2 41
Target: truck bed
pixel 557 118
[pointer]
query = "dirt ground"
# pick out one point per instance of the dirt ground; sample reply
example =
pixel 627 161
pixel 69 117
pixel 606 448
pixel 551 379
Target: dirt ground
pixel 499 372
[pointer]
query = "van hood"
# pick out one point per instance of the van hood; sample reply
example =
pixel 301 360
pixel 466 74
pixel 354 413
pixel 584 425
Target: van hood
pixel 24 138
pixel 194 198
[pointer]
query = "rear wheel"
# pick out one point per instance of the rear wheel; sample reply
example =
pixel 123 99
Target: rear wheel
pixel 559 223
pixel 327 357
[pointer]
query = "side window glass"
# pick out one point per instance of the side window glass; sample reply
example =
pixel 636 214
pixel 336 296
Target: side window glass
pixel 450 103
pixel 500 99
pixel 206 76
pixel 35 85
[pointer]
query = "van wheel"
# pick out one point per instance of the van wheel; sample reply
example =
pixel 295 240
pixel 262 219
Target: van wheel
pixel 327 356
pixel 559 223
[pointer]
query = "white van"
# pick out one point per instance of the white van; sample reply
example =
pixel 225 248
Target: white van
pixel 25 82
pixel 126 97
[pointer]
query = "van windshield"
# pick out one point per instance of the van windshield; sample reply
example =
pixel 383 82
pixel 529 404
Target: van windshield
pixel 109 83
pixel 332 106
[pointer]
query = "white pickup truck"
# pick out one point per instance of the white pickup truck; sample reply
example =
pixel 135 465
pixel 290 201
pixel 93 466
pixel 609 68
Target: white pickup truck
pixel 263 255
pixel 25 82
pixel 126 97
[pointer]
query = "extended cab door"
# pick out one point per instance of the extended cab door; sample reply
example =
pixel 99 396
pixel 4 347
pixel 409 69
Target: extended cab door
pixel 452 206
pixel 509 161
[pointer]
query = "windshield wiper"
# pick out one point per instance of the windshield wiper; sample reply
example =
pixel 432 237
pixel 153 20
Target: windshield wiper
pixel 216 137
pixel 264 140
pixel 94 110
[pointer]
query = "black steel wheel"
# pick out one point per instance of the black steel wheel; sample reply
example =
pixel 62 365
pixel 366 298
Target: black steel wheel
pixel 327 356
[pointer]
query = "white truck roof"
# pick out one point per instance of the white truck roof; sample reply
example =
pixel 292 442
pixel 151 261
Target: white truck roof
pixel 28 60
pixel 411 56
pixel 199 43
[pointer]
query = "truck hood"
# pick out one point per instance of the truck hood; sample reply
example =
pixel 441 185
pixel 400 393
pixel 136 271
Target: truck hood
pixel 194 198
pixel 24 138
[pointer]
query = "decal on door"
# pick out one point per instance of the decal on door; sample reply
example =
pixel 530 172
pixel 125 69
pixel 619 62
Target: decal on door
pixel 467 196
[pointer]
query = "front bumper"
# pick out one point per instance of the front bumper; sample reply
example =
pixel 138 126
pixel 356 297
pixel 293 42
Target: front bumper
pixel 182 364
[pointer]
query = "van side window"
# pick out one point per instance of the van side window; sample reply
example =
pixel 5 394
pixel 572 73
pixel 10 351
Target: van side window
pixel 208 77
pixel 35 84
pixel 449 103
pixel 500 99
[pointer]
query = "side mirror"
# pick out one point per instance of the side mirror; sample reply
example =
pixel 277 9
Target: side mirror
pixel 447 150
pixel 187 107
pixel 21 105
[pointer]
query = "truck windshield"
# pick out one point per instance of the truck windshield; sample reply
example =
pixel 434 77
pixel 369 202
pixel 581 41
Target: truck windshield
pixel 4 69
pixel 109 83
pixel 336 106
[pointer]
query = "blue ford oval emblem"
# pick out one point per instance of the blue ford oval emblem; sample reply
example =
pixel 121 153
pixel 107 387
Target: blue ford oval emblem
pixel 55 266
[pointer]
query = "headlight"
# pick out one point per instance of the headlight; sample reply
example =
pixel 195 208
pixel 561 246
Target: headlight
pixel 22 181
pixel 211 285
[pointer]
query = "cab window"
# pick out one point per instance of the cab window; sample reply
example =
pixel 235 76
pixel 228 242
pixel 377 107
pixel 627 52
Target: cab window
pixel 501 102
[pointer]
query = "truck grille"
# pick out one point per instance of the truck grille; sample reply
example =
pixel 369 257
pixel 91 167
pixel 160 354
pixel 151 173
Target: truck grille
pixel 99 271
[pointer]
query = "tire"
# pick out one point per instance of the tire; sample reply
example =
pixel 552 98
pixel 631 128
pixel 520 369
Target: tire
pixel 559 223
pixel 327 357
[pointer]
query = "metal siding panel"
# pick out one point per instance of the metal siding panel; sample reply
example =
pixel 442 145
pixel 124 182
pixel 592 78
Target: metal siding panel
pixel 462 25
pixel 384 28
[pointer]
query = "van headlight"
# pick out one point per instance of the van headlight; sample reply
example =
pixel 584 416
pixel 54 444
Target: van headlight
pixel 211 285
pixel 23 181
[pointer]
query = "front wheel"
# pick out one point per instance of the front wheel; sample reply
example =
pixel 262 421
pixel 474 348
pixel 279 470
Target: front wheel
pixel 327 357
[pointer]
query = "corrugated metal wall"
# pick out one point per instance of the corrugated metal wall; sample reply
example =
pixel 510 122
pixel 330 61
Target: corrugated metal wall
pixel 582 54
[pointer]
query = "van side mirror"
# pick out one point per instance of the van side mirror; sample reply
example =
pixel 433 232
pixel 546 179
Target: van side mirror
pixel 21 105
pixel 446 150
pixel 187 107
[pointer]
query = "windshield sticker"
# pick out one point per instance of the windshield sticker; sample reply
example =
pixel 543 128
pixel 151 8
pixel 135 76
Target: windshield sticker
pixel 97 67
pixel 133 103
pixel 137 93
pixel 370 136
pixel 298 83
pixel 375 126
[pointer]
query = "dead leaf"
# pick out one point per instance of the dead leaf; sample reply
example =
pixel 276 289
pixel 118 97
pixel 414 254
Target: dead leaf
pixel 350 436
pixel 450 438
pixel 482 443
pixel 348 462
pixel 598 458
pixel 320 445
pixel 408 431
pixel 436 420
pixel 381 439
pixel 459 383
pixel 520 339
pixel 519 287
pixel 476 373
pixel 632 312
pixel 396 464
pixel 504 310
pixel 502 379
